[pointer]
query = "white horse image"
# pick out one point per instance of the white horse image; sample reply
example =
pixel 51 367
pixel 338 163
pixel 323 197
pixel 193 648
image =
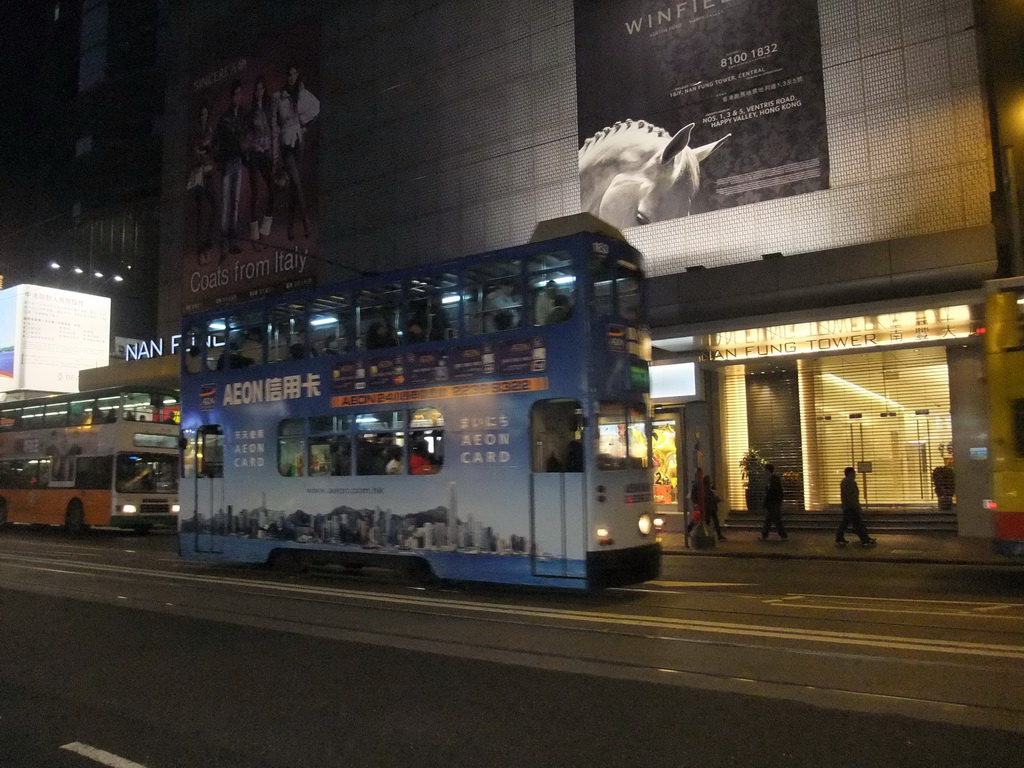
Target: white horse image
pixel 637 173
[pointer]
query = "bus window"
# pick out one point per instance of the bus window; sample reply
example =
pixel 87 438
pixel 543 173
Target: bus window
pixel 377 316
pixel 432 308
pixel 556 432
pixel 330 324
pixel 56 415
pixel 611 436
pixel 381 443
pixel 494 297
pixel 330 445
pixel 291 449
pixel 146 473
pixel 82 412
pixel 18 474
pixel 93 473
pixel 210 451
pixel 32 417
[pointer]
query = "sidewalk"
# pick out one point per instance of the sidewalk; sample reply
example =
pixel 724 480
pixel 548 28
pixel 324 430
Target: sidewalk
pixel 820 545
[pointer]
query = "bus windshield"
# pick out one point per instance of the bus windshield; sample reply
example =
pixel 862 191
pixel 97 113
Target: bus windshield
pixel 146 473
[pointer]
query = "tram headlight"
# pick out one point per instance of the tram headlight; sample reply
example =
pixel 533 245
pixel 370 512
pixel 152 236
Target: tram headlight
pixel 645 524
pixel 175 509
pixel 602 533
pixel 128 509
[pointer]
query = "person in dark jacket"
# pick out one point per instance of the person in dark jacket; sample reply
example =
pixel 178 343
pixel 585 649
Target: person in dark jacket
pixel 849 495
pixel 773 505
pixel 708 505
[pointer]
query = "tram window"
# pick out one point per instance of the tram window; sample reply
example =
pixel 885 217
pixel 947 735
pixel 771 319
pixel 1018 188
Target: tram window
pixel 638 445
pixel 193 350
pixel 629 299
pixel 611 436
pixel 377 316
pixel 245 341
pixel 602 278
pixel 494 297
pixel 552 284
pixel 381 444
pixel 291 449
pixel 286 333
pixel 426 443
pixel 330 446
pixel 431 309
pixel 216 340
pixel 556 433
pixel 210 451
pixel 330 324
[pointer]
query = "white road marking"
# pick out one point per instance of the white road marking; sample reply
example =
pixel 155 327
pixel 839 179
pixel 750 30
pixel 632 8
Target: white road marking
pixel 699 584
pixel 100 755
pixel 590 617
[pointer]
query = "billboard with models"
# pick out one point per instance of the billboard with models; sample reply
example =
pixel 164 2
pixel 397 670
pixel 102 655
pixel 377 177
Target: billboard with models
pixel 695 106
pixel 251 220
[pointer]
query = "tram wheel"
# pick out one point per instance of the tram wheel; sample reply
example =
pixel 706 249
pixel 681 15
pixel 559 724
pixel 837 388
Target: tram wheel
pixel 287 561
pixel 3 513
pixel 74 518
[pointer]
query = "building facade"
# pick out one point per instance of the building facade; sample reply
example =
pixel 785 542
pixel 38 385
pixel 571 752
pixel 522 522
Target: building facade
pixel 840 221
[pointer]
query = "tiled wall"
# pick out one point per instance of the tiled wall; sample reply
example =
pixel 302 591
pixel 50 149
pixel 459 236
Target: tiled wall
pixel 449 128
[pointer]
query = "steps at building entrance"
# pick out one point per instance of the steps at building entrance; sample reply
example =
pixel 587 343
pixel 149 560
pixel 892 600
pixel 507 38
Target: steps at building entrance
pixel 877 521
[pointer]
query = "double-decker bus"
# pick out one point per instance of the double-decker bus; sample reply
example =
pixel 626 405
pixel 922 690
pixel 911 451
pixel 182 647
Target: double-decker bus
pixel 484 419
pixel 104 457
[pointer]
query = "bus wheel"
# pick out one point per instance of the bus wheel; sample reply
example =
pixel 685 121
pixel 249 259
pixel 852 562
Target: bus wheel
pixel 74 518
pixel 3 513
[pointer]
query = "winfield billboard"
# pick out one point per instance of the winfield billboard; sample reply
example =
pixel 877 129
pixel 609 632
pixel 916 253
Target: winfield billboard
pixel 251 224
pixel 697 106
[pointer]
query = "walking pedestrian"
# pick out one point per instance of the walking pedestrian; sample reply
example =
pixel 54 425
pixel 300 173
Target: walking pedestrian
pixel 773 505
pixel 711 500
pixel 849 494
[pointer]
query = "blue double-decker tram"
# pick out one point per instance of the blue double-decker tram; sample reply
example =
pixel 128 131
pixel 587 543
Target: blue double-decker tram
pixel 483 419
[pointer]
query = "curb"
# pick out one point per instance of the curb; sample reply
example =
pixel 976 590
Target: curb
pixel 923 560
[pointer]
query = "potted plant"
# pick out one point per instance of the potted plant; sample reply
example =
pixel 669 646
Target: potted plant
pixel 944 481
pixel 752 467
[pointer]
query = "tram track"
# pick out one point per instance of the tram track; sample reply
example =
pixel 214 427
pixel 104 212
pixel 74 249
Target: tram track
pixel 668 650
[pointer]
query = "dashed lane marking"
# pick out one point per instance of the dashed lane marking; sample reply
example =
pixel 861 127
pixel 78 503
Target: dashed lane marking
pixel 100 755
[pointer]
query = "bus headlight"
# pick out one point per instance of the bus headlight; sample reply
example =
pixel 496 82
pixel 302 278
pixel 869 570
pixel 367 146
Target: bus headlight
pixel 645 524
pixel 128 509
pixel 175 509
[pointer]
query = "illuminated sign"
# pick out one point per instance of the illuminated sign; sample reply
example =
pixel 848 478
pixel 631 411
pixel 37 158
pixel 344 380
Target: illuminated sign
pixel 48 335
pixel 847 334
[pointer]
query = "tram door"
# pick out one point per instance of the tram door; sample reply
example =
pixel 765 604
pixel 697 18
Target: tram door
pixel 558 542
pixel 208 500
